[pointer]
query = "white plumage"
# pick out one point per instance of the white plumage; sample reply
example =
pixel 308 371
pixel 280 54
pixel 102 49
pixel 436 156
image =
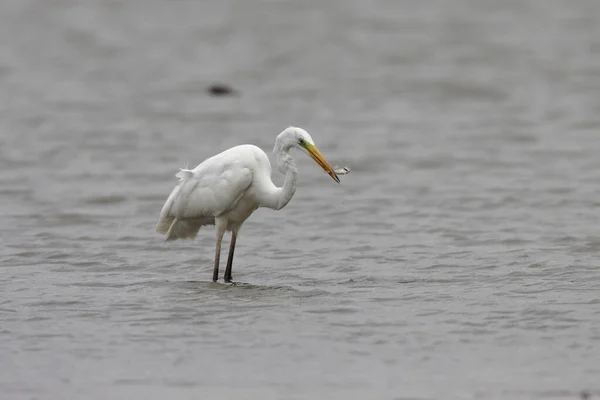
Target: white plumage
pixel 225 189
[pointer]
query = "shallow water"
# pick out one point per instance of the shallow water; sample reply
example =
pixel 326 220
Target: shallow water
pixel 458 260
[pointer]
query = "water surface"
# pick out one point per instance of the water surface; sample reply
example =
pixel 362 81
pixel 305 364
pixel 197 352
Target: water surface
pixel 458 260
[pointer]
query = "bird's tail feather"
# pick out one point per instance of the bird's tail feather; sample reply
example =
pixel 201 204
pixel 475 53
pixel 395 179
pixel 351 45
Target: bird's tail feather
pixel 174 228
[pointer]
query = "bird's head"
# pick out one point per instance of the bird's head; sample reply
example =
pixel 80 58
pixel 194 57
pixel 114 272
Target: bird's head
pixel 300 139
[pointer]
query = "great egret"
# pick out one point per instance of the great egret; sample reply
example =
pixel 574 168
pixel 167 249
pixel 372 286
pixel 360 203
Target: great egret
pixel 225 189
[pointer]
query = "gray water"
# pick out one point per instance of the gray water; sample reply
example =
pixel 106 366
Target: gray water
pixel 458 260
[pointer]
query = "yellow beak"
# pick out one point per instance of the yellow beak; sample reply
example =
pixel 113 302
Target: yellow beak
pixel 319 159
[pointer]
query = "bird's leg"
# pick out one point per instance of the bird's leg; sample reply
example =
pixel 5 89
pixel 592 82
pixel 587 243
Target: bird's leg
pixel 217 257
pixel 230 258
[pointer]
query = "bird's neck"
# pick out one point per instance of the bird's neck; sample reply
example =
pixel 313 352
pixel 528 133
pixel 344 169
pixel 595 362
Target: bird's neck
pixel 287 166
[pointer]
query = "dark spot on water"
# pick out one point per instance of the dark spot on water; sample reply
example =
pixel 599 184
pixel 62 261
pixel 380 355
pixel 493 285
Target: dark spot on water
pixel 221 89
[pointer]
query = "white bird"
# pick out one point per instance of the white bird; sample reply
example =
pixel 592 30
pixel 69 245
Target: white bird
pixel 225 189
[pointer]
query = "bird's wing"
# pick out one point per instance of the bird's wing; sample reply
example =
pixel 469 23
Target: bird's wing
pixel 207 191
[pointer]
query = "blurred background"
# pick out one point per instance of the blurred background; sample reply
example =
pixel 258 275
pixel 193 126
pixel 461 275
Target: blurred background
pixel 458 260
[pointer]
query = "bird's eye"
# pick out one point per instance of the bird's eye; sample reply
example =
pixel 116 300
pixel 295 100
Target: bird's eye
pixel 301 141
